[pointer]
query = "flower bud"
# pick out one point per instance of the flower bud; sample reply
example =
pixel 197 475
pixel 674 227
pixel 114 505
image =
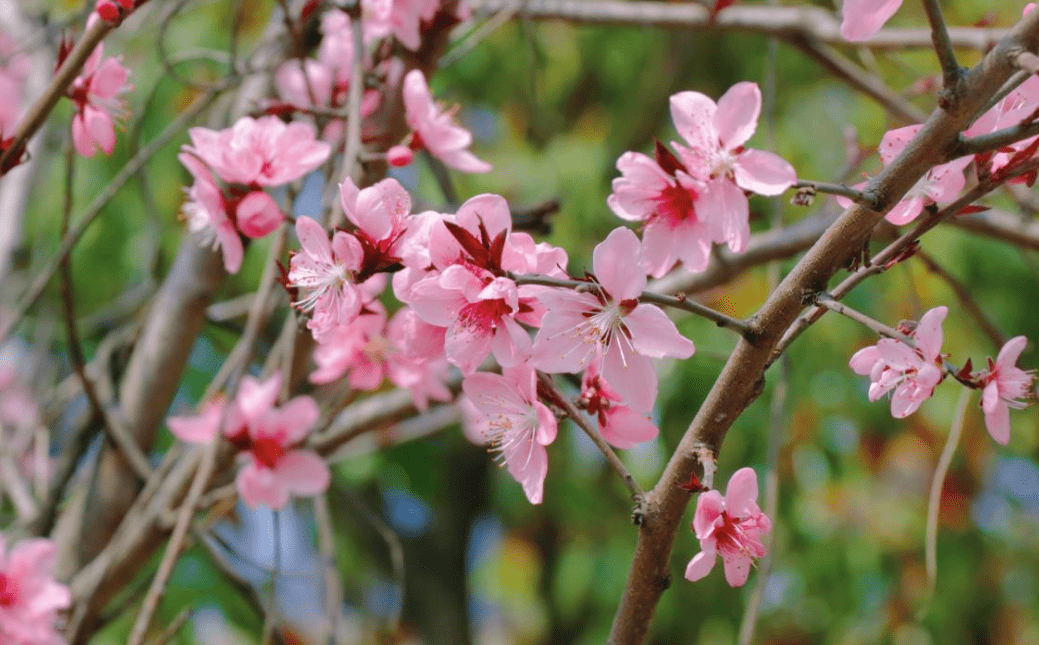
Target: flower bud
pixel 399 156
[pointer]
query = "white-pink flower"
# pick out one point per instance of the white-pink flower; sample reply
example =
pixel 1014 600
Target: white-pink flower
pixel 516 424
pixel 259 152
pixel 679 222
pixel 30 598
pixel 1005 387
pixel 324 271
pixel 941 185
pixel 206 214
pixel 864 18
pixel 96 94
pixel 911 373
pixel 732 527
pixel 716 135
pixel 610 322
pixel 435 129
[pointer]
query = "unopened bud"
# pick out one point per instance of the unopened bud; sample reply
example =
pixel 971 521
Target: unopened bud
pixel 399 156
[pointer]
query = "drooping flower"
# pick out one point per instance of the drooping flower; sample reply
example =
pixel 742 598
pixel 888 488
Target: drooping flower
pixel 206 214
pixel 96 94
pixel 259 152
pixel 911 373
pixel 610 322
pixel 1005 387
pixel 732 527
pixel 716 134
pixel 619 425
pixel 864 18
pixel 435 129
pixel 516 424
pixel 30 598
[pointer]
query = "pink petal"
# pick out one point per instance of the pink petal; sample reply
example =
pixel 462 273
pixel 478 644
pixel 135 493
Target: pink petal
pixel 737 569
pixel 654 335
pixel 693 114
pixel 736 117
pixel 764 173
pixel 313 239
pixel 255 398
pixel 660 245
pixel 741 492
pixel 928 333
pixel 303 473
pixel 626 428
pixel 631 375
pixel 864 18
pixel 617 265
pixel 895 141
pixel 257 486
pixel 80 138
pixel 990 397
pixel 1010 352
pixel 201 428
pixel 862 361
pixel 709 508
pixel 997 422
pixel 729 213
pixel 904 402
pixel 529 468
pixel 700 565
pixel 231 246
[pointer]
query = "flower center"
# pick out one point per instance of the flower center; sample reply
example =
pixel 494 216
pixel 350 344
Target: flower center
pixel 483 315
pixel 8 591
pixel 267 451
pixel 734 539
pixel 675 204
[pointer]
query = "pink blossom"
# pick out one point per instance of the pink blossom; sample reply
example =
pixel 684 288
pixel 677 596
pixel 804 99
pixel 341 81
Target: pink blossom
pixel 678 226
pixel 96 94
pixel 401 18
pixel 324 271
pixel 1005 385
pixel 716 134
pixel 379 211
pixel 30 599
pixel 731 526
pixel 358 348
pixel 864 18
pixel 260 152
pixel 611 323
pixel 206 214
pixel 254 399
pixel 516 424
pixel 942 184
pixel 912 373
pixel 619 425
pixel 275 467
pixel 435 129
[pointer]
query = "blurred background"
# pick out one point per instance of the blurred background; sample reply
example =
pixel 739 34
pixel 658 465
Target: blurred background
pixel 552 106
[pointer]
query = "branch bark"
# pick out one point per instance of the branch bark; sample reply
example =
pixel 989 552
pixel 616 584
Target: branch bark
pixel 742 378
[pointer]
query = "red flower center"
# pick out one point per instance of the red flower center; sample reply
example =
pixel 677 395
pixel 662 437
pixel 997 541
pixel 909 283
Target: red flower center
pixel 675 204
pixel 8 591
pixel 267 451
pixel 483 315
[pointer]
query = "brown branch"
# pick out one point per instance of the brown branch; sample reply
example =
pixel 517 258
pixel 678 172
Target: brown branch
pixel 38 113
pixel 742 377
pixel 951 72
pixel 561 400
pixel 783 22
pixel 995 140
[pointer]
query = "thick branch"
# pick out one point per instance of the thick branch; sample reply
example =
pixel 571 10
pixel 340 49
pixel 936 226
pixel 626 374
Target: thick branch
pixel 741 379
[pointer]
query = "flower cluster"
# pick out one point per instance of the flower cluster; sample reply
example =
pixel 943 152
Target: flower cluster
pixel 698 198
pixel 914 371
pixel 251 155
pixel 30 599
pixel 268 438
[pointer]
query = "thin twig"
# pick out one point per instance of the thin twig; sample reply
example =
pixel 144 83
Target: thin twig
pixel 678 302
pixel 172 554
pixel 171 630
pixel 963 294
pixel 935 498
pixel 95 208
pixel 995 140
pixel 333 585
pixel 951 72
pixel 116 429
pixel 637 494
pixel 842 190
